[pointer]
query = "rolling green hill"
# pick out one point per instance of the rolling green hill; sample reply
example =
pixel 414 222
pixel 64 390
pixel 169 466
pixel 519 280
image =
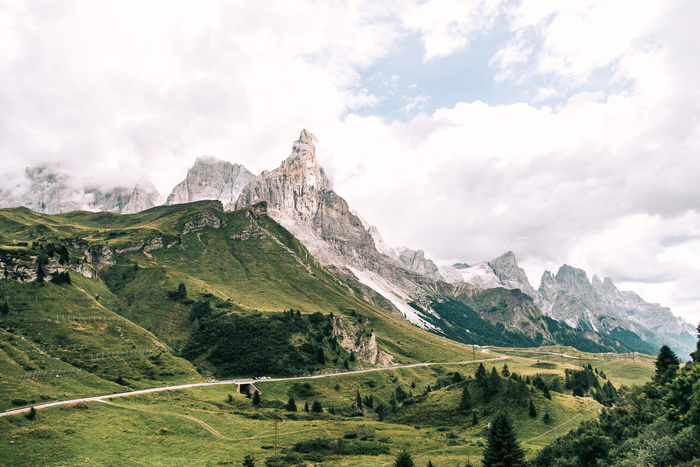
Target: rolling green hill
pixel 100 303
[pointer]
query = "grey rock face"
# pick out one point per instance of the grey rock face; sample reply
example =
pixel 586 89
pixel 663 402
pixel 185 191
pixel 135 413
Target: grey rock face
pixel 48 190
pixel 214 179
pixel 300 197
pixel 598 305
pixel 417 262
pixel 510 274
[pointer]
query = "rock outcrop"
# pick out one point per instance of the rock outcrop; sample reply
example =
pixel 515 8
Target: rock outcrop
pixel 599 306
pixel 211 178
pixel 48 190
pixel 301 198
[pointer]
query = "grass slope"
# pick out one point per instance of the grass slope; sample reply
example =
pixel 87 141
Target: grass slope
pixel 214 425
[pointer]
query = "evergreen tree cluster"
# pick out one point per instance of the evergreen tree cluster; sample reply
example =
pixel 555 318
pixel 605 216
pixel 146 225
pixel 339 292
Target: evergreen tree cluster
pixel 657 424
pixel 61 278
pixel 258 344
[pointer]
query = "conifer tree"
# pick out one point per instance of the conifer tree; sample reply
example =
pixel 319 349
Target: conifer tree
pixel 291 405
pixel 465 402
pixel 696 355
pixel 505 372
pixel 256 398
pixel 480 373
pixel 667 364
pixel 249 461
pixel 532 410
pixel 502 447
pixel 404 459
pixel 316 407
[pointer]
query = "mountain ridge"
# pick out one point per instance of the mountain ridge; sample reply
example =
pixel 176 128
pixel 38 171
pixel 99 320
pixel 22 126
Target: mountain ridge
pixel 299 195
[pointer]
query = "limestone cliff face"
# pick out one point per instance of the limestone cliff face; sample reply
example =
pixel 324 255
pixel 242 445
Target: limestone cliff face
pixel 214 179
pixel 354 338
pixel 415 261
pixel 48 190
pixel 599 306
pixel 301 198
pixel 511 275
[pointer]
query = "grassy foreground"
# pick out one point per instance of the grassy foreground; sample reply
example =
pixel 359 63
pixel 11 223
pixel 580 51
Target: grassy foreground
pixel 214 425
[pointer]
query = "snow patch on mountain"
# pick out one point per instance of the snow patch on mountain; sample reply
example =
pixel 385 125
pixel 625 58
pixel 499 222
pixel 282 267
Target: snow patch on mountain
pixel 480 275
pixel 397 297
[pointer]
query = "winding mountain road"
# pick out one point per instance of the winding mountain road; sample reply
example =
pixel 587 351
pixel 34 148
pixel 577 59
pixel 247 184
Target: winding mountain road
pixel 234 381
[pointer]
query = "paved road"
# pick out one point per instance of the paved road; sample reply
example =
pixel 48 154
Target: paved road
pixel 234 381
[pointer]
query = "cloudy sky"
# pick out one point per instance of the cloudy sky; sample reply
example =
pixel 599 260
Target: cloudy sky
pixel 567 132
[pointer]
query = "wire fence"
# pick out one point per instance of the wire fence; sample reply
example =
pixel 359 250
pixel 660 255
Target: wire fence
pixel 36 298
pixel 89 318
pixel 121 354
pixel 50 347
pixel 36 374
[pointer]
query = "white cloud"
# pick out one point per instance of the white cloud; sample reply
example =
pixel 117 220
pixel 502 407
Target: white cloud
pixel 447 26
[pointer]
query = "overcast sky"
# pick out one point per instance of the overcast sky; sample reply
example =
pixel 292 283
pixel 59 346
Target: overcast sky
pixel 567 132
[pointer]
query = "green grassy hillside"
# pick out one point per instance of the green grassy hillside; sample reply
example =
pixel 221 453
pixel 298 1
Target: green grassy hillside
pixel 214 425
pixel 100 303
pixel 159 269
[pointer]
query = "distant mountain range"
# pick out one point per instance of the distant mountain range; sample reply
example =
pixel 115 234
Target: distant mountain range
pixel 492 302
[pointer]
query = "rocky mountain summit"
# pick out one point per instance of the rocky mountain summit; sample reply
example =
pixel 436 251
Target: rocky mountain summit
pixel 598 305
pixel 48 190
pixel 593 305
pixel 211 178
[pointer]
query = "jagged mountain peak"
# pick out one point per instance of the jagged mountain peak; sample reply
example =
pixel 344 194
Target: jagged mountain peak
pixel 50 189
pixel 510 274
pixel 570 275
pixel 211 178
pixel 305 146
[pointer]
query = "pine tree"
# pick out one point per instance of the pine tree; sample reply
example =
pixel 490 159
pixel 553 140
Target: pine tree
pixel 306 406
pixel 480 373
pixel 404 459
pixel 291 405
pixel 429 464
pixel 532 410
pixel 320 357
pixel 492 384
pixel 465 403
pixel 358 400
pixel 502 447
pixel 316 407
pixel 696 355
pixel 32 414
pixel 249 461
pixel 667 364
pixel 256 398
pixel 475 419
pixel 505 372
